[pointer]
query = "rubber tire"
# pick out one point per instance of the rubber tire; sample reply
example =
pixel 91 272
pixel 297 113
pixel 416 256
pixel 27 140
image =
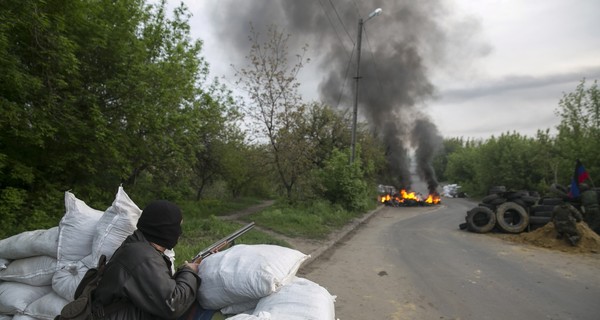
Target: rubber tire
pixel 551 201
pixel 514 210
pixel 489 206
pixel 542 214
pixel 481 219
pixel 489 198
pixel 498 201
pixel 539 220
pixel 541 208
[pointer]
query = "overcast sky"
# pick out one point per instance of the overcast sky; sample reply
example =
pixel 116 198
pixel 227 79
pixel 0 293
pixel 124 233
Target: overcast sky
pixel 495 65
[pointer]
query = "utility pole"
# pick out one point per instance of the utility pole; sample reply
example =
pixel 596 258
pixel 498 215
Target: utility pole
pixel 355 110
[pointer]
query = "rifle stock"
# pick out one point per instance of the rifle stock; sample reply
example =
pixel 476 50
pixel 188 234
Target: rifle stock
pixel 223 242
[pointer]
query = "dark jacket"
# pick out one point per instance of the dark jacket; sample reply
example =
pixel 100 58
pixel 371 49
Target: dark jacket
pixel 140 275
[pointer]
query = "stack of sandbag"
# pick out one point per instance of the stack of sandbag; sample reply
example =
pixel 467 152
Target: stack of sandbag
pixel 259 282
pixel 40 270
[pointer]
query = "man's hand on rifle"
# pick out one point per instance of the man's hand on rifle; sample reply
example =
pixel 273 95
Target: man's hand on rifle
pixel 193 265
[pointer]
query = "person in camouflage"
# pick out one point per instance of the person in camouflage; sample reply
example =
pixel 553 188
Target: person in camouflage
pixel 590 207
pixel 564 217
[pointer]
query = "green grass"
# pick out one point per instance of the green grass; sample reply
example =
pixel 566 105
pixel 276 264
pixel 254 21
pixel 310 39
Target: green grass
pixel 314 221
pixel 201 227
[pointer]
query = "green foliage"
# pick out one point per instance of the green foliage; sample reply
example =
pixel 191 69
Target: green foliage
pixel 579 130
pixel 94 94
pixel 520 162
pixel 311 220
pixel 344 184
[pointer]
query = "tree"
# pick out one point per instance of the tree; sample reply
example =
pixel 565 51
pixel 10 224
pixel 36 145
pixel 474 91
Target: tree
pixel 579 130
pixel 94 94
pixel 272 86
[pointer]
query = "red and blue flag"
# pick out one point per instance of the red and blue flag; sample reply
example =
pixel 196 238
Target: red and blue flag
pixel 579 176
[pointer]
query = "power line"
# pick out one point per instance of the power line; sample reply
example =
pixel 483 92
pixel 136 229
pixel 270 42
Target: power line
pixel 345 78
pixel 338 16
pixel 333 26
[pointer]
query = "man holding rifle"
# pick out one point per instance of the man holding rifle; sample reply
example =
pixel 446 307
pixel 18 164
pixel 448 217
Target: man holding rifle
pixel 138 283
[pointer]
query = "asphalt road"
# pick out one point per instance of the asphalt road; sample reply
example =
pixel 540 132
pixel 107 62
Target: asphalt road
pixel 414 263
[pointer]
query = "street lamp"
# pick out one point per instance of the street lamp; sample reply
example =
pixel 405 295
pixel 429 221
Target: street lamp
pixel 358 44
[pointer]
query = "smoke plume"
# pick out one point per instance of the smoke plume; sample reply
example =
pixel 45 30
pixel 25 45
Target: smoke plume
pixel 399 50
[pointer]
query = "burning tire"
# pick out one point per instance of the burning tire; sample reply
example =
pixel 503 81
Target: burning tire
pixel 511 217
pixel 481 219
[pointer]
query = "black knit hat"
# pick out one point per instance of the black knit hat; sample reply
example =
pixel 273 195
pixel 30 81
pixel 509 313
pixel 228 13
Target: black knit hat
pixel 160 223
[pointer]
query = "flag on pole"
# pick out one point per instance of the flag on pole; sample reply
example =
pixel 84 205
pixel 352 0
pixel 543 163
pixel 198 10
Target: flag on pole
pixel 579 176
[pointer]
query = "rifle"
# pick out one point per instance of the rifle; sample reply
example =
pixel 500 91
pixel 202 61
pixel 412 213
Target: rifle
pixel 223 242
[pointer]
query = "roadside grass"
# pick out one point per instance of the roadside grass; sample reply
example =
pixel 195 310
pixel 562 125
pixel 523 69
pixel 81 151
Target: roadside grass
pixel 201 227
pixel 314 221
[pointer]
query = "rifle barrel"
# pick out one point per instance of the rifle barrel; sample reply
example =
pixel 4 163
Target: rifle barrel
pixel 208 251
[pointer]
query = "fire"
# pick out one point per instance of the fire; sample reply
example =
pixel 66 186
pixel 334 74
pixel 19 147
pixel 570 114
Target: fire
pixel 433 199
pixel 407 198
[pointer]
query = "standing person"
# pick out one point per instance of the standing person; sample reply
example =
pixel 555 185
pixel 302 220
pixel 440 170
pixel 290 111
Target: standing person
pixel 138 278
pixel 564 217
pixel 590 207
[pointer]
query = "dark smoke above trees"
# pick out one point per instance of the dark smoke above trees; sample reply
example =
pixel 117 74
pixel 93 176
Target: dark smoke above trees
pixel 402 47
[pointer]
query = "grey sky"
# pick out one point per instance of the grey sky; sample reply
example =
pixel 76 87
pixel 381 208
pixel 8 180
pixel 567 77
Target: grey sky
pixel 495 65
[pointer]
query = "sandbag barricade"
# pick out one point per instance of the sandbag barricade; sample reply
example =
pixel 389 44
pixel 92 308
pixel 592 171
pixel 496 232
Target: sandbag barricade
pixel 258 282
pixel 40 269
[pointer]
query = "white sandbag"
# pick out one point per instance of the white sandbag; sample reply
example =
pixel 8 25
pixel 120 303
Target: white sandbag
pixel 5 317
pixel 35 271
pixel 24 317
pixel 4 264
pixel 46 307
pixel 15 296
pixel 301 299
pixel 76 229
pixel 243 316
pixel 244 273
pixel 243 307
pixel 43 242
pixel 117 223
pixel 68 274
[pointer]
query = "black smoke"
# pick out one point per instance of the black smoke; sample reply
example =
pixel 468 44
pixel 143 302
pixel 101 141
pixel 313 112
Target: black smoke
pixel 399 50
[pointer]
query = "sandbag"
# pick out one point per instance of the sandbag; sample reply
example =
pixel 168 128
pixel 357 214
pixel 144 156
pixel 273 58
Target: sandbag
pixel 23 317
pixel 35 271
pixel 43 242
pixel 301 299
pixel 243 316
pixel 244 273
pixel 5 317
pixel 46 307
pixel 67 276
pixel 76 229
pixel 243 307
pixel 15 296
pixel 117 223
pixel 4 264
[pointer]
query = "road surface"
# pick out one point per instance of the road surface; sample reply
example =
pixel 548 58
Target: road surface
pixel 415 263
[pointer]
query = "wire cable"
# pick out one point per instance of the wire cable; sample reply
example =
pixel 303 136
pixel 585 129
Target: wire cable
pixel 345 78
pixel 333 26
pixel 338 16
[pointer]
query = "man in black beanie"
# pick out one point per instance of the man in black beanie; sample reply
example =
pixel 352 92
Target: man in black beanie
pixel 138 277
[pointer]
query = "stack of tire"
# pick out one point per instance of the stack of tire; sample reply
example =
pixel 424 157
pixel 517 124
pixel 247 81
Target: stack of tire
pixel 508 211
